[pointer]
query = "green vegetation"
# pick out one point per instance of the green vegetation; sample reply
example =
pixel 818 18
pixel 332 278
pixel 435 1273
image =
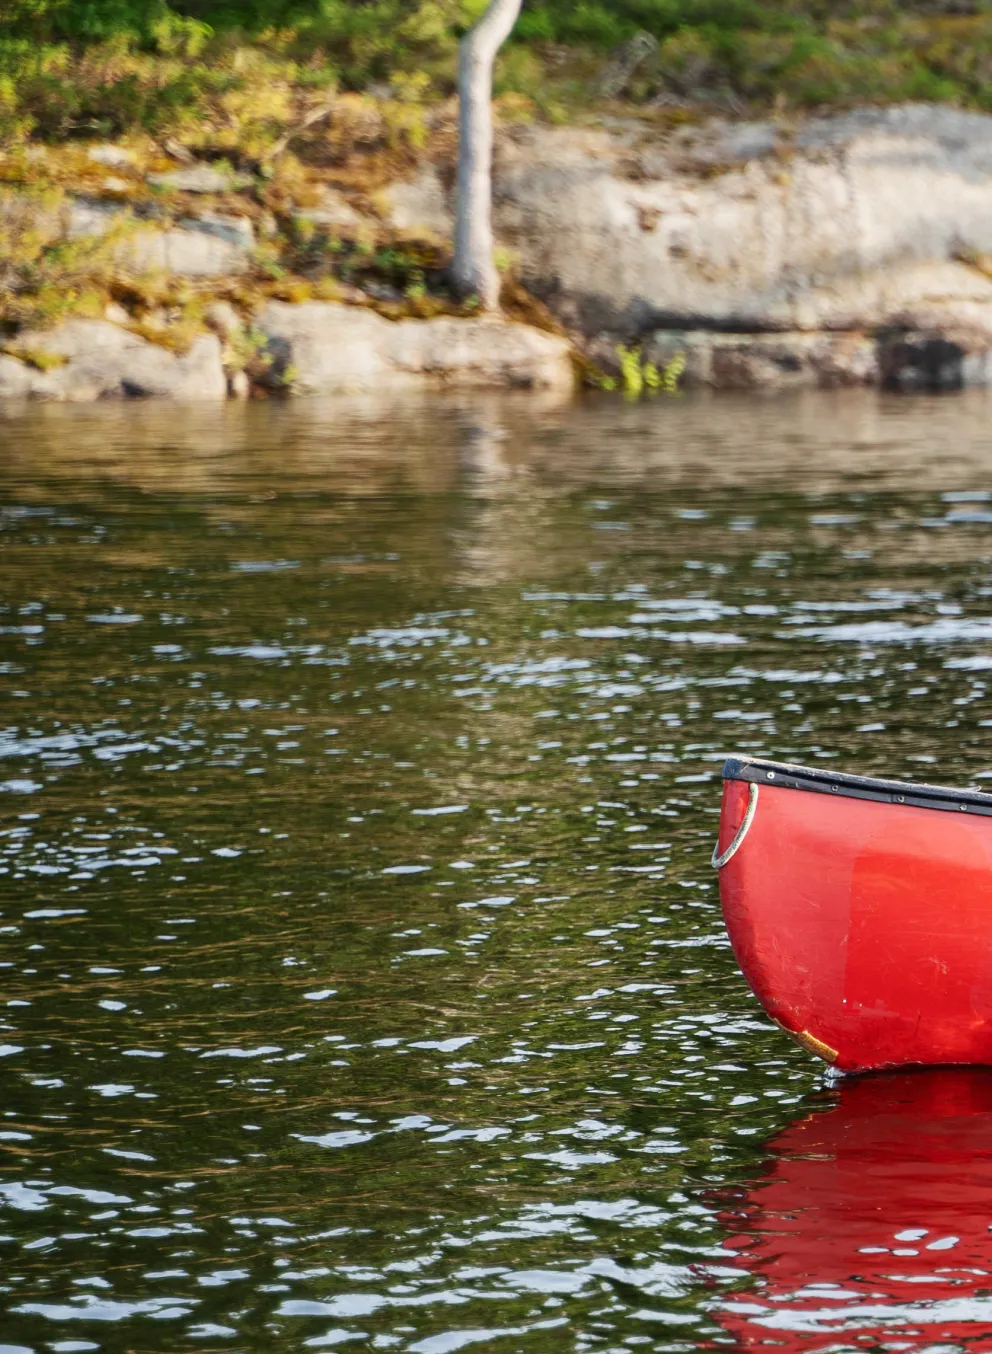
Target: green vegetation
pixel 46 278
pixel 253 68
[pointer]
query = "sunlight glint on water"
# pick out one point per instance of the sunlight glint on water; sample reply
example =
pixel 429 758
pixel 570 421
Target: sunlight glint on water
pixel 364 978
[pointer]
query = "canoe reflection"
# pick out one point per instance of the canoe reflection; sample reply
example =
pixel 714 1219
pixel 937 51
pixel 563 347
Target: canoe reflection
pixel 871 1226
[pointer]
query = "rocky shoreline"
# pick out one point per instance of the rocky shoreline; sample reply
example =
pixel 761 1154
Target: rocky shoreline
pixel 847 250
pixel 311 348
pixel 854 249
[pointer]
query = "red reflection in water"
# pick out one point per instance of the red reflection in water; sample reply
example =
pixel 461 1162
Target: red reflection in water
pixel 871 1226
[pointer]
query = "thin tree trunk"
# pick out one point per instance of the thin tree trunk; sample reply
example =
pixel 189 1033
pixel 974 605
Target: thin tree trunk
pixel 473 270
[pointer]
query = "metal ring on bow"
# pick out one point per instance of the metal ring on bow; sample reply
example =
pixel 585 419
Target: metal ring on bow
pixel 719 861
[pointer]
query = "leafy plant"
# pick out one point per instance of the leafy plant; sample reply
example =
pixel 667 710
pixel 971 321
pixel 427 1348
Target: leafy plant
pixel 638 375
pixel 631 371
pixel 667 379
pixel 247 350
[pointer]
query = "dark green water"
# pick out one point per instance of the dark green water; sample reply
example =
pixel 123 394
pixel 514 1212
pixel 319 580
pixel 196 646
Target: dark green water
pixel 363 974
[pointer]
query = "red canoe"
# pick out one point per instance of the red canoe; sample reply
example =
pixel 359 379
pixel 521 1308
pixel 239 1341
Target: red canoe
pixel 860 911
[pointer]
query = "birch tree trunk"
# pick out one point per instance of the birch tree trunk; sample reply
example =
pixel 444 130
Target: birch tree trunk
pixel 473 270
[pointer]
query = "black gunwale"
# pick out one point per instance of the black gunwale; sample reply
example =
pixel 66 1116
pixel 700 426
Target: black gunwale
pixel 814 780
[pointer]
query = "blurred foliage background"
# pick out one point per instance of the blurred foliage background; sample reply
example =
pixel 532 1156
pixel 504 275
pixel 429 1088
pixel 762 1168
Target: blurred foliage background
pixel 114 66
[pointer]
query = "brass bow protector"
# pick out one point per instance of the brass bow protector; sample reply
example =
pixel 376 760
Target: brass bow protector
pixel 813 1045
pixel 718 861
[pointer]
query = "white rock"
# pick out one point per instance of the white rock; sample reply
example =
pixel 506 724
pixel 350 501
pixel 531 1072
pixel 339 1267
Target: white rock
pixel 19 380
pixel 855 220
pixel 334 213
pixel 200 179
pixel 103 360
pixel 948 357
pixel 340 348
pixel 418 206
pixel 237 230
pixel 329 347
pixel 480 352
pixel 223 319
pixel 766 361
pixel 90 217
pixel 209 245
pixel 185 252
pixel 115 157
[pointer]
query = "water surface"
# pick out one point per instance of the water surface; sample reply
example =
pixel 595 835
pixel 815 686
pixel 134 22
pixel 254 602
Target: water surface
pixel 363 971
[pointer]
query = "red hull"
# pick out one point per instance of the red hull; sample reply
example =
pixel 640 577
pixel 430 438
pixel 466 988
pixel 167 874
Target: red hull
pixel 860 913
pixel 869 1228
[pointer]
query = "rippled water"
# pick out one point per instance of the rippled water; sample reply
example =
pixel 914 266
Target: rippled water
pixel 364 975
